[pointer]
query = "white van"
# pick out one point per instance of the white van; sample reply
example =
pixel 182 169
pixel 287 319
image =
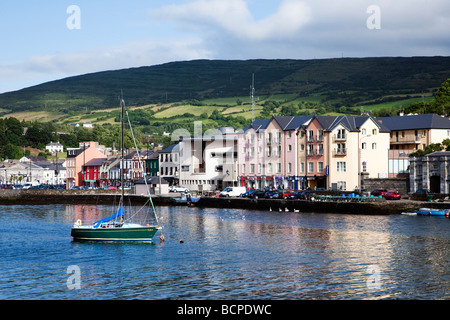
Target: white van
pixel 30 184
pixel 232 192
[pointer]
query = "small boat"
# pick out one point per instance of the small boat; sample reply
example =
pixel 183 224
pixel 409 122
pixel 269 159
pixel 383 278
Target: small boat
pixel 432 212
pixel 186 198
pixel 121 226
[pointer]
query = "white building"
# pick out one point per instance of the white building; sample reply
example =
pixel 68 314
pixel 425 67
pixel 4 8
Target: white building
pixel 209 162
pixel 53 147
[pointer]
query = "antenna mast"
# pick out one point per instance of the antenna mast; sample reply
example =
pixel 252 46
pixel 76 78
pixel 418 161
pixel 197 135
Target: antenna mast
pixel 252 94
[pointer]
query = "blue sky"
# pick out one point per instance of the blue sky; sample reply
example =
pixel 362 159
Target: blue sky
pixel 37 46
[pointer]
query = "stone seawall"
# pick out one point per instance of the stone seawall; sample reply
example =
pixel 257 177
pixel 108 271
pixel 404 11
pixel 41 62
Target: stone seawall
pixel 42 197
pixel 367 208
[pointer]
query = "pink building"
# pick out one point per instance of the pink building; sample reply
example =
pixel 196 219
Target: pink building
pixel 77 158
pixel 268 152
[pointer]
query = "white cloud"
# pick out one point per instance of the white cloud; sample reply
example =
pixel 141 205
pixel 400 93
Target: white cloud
pixel 234 18
pixel 37 69
pixel 228 29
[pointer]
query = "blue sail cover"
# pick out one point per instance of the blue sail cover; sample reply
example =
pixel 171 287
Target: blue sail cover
pixel 119 213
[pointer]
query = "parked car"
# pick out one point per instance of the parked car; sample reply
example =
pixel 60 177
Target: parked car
pixel 255 194
pixel 378 192
pixel 391 195
pixel 285 193
pixel 270 194
pixel 178 189
pixel 426 191
pixel 298 195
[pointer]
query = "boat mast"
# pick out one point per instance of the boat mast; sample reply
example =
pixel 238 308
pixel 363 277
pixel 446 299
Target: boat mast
pixel 122 104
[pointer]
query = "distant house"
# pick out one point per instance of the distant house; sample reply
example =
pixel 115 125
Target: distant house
pixel 169 163
pixel 91 171
pixel 156 185
pixel 77 158
pixel 54 147
pixel 87 125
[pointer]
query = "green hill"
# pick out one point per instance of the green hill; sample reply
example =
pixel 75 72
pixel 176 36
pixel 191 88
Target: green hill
pixel 346 81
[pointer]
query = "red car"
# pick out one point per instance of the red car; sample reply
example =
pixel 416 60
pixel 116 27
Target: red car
pixel 391 195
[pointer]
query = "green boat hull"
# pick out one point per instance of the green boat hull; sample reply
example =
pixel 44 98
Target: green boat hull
pixel 114 234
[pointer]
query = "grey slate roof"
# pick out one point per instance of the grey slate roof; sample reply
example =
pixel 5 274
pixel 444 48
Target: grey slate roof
pixel 170 149
pixel 351 123
pixel 420 121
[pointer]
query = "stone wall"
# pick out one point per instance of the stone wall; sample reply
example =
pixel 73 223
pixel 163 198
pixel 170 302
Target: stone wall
pixel 399 184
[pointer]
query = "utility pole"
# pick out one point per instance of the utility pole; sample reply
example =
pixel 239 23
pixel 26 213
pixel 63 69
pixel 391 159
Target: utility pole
pixel 252 94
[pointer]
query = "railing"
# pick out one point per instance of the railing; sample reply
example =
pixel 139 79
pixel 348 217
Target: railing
pixel 340 152
pixel 340 137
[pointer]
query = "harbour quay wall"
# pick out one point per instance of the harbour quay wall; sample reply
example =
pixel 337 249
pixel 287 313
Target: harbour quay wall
pixel 366 208
pixel 44 197
pixel 49 196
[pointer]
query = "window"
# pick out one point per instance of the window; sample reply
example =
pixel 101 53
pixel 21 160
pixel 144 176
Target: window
pixel 363 146
pixel 310 135
pixel 340 134
pixel 363 131
pixel 310 149
pixel 302 167
pixel 243 168
pixel 289 167
pixel 320 135
pixel 320 149
pixel 289 147
pixel 364 166
pixel 341 166
pixel 269 168
pixel 374 131
pixel 252 168
pixel 310 166
pixel 320 167
pixel 341 185
pixel 278 167
pixel 374 146
pixel 259 167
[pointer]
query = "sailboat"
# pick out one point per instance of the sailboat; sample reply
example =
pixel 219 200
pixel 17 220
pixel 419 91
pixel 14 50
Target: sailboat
pixel 120 226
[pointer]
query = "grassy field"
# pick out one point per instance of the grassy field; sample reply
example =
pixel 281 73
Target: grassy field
pixel 225 106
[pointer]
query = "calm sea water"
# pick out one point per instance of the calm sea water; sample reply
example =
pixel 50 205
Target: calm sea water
pixel 227 254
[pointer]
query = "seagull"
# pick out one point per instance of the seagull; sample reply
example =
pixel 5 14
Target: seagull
pixel 279 209
pixel 286 209
pixel 270 208
pixel 296 210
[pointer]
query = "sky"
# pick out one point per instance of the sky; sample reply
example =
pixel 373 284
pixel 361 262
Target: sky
pixel 52 39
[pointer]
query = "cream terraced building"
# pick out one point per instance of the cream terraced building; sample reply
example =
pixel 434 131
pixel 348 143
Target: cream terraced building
pixel 327 152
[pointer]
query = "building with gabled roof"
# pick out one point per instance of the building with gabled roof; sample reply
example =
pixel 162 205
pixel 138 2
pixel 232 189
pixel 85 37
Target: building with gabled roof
pixel 328 152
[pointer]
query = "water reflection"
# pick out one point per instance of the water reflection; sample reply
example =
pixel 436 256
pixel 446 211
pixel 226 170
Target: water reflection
pixel 228 254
